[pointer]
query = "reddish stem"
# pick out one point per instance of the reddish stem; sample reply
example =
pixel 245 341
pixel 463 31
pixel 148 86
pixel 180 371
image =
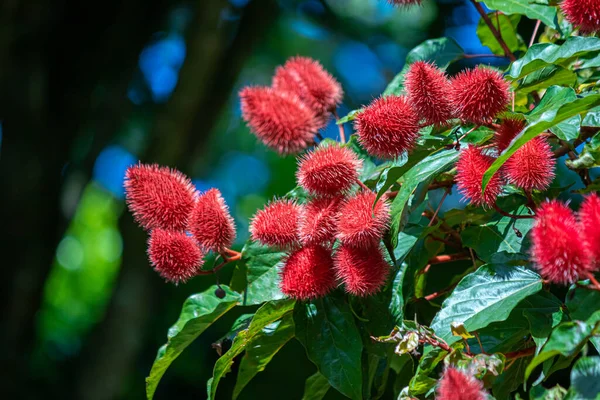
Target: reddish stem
pixel 594 281
pixel 340 127
pixel 535 31
pixel 442 292
pixel 235 256
pixel 520 354
pixel 362 185
pixel 446 258
pixel 494 31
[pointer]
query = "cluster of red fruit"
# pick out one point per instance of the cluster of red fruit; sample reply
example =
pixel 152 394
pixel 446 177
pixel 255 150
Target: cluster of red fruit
pixel 183 224
pixel 312 267
pixel 566 247
pixel 288 115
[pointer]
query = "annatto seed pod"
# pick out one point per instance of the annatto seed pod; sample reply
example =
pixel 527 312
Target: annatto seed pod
pixel 589 222
pixel 427 89
pixel 308 273
pixel 318 220
pixel 210 222
pixel 584 14
pixel 363 271
pixel 277 224
pixel 307 78
pixel 328 170
pixel 174 255
pixel 360 224
pixel 471 167
pixel 478 95
pixel 159 197
pixel 558 250
pixel 457 384
pixel 387 127
pixel 279 119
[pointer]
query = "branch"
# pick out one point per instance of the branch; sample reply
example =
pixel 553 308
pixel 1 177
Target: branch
pixel 340 126
pixel 495 32
pixel 513 216
pixel 520 354
pixel 565 148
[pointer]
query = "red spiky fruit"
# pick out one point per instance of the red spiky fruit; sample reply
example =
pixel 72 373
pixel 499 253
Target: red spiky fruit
pixel 584 14
pixel 210 222
pixel 308 273
pixel 360 224
pixel 387 127
pixel 456 385
pixel 328 170
pixel 507 131
pixel 589 222
pixel 558 249
pixel 471 167
pixel 532 166
pixel 478 95
pixel 427 89
pixel 307 78
pixel 363 271
pixel 174 255
pixel 159 197
pixel 318 220
pixel 277 224
pixel 279 119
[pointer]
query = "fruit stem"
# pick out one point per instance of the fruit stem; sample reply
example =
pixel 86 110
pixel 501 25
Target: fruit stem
pixel 340 127
pixel 494 31
pixel 362 185
pixel 520 354
pixel 445 258
pixel 535 31
pixel 502 212
pixel 595 283
pixel 438 208
pixel 235 256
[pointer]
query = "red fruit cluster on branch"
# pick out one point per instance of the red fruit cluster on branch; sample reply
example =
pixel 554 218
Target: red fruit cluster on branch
pixel 363 271
pixel 478 95
pixel 427 89
pixel 165 202
pixel 210 222
pixel 583 14
pixel 328 170
pixel 561 249
pixel 159 197
pixel 471 167
pixel 530 167
pixel 363 222
pixel 174 255
pixel 318 220
pixel 387 127
pixel 287 116
pixel 456 384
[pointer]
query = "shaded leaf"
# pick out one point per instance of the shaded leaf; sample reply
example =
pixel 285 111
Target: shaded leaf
pixel 198 313
pixel 585 379
pixel 327 330
pixel 508 30
pixel 316 387
pixel 525 7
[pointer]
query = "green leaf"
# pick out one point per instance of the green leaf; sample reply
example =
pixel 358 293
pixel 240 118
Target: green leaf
pixel 510 380
pixel 525 7
pixel 351 116
pixel 541 393
pixel 499 235
pixel 566 339
pixel 198 313
pixel 546 54
pixel 326 329
pixel 268 315
pixel 316 387
pixel 508 30
pixel 262 273
pixel 538 124
pixel 541 78
pixel 485 296
pixel 421 382
pixel 589 157
pixel 422 173
pixel 585 379
pixel 440 51
pixel 261 350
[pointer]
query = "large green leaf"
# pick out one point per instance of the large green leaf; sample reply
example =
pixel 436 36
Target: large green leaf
pixel 268 315
pixel 539 123
pixel 421 383
pixel 422 173
pixel 525 7
pixel 545 54
pixel 440 51
pixel 510 380
pixel 261 350
pixel 566 340
pixel 585 379
pixel 508 30
pixel 327 330
pixel 316 387
pixel 491 241
pixel 198 313
pixel 541 78
pixel 485 296
pixel 262 274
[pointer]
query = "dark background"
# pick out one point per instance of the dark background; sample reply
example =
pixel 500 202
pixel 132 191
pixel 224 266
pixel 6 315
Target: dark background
pixel 88 88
